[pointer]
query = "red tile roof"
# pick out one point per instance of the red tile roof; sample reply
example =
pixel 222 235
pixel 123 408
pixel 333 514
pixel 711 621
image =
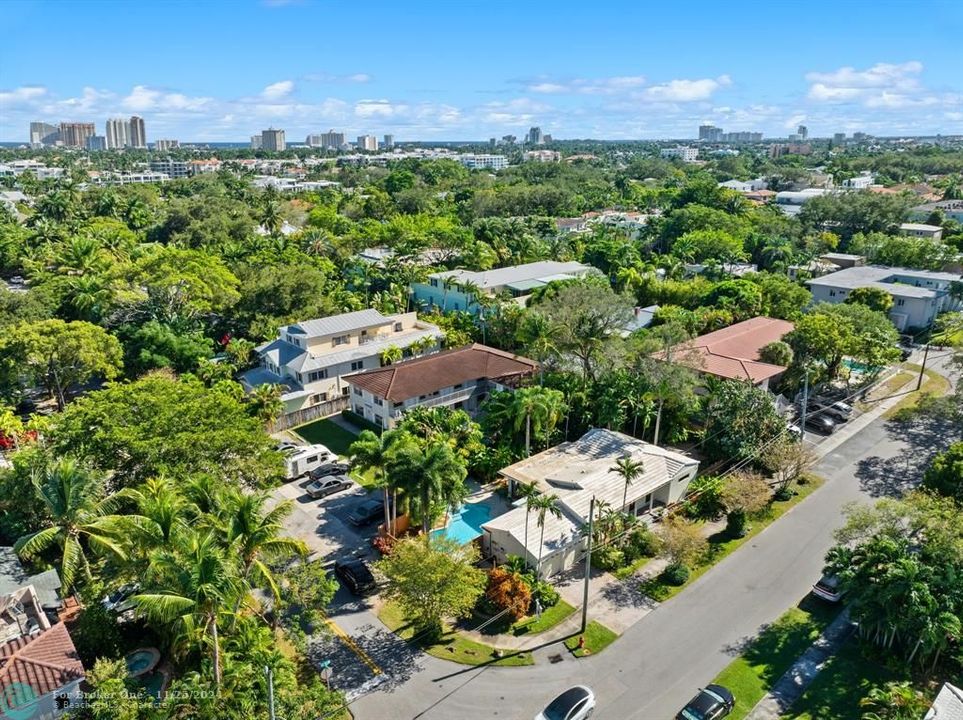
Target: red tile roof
pixel 425 375
pixel 733 352
pixel 46 661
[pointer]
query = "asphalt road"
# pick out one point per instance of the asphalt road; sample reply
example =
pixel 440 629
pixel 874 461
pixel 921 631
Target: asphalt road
pixel 653 669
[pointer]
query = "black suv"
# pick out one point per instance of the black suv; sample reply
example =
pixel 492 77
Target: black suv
pixel 367 512
pixel 356 576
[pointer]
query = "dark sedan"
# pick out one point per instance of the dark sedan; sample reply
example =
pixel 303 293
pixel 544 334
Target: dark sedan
pixel 331 468
pixel 356 576
pixel 711 703
pixel 367 512
pixel 821 424
pixel 328 486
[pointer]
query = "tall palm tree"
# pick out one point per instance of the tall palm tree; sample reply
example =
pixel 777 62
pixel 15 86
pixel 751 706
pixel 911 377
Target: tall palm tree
pixel 373 452
pixel 527 491
pixel 539 409
pixel 629 470
pixel 266 401
pixel 544 505
pixel 255 533
pixel 81 518
pixel 430 476
pixel 163 512
pixel 196 583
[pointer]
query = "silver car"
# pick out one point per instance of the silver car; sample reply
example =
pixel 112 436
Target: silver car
pixel 576 703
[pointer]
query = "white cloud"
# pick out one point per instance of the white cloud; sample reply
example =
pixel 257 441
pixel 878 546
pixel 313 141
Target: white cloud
pixel 794 121
pixel 583 86
pixel 377 108
pixel 686 90
pixel 359 78
pixel 882 85
pixel 278 90
pixel 22 95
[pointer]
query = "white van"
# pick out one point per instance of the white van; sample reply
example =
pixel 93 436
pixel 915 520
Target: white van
pixel 299 460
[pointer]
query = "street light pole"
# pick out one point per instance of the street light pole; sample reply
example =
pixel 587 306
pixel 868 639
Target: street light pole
pixel 919 380
pixel 805 402
pixel 588 566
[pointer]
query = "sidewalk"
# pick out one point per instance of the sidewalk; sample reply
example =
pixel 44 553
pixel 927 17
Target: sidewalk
pixel 793 684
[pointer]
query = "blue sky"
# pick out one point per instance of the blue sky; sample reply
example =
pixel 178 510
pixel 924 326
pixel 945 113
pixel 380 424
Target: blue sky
pixel 221 71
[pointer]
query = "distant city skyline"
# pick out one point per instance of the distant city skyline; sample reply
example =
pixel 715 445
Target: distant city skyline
pixel 472 70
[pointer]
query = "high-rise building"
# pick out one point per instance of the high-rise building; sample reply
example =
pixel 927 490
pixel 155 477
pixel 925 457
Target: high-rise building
pixel 117 132
pixel 839 138
pixel 256 142
pixel 43 134
pixel 97 142
pixel 332 140
pixel 803 132
pixel 534 136
pixel 74 134
pixel 165 145
pixel 137 136
pixel 860 136
pixel 389 142
pixel 547 138
pixel 273 140
pixel 710 133
pixel 509 139
pixel 368 143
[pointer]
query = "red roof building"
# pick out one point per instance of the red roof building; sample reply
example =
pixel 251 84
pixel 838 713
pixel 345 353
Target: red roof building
pixel 732 353
pixel 461 378
pixel 45 664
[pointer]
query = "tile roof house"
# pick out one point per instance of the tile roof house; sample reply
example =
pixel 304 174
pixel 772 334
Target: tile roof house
pixel 576 472
pixel 310 358
pixel 40 673
pixel 732 353
pixel 462 378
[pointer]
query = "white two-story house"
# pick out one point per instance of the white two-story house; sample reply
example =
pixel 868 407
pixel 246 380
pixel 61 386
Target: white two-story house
pixel 461 378
pixel 310 358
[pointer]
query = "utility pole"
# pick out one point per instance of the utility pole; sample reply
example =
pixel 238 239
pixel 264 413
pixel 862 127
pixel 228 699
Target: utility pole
pixel 270 680
pixel 805 403
pixel 926 352
pixel 588 566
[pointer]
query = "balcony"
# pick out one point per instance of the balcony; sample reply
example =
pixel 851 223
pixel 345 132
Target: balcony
pixel 438 400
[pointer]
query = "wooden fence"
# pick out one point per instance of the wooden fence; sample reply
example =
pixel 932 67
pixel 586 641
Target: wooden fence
pixel 315 412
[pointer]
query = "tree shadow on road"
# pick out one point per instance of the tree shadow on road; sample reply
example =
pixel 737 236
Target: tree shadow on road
pixel 627 594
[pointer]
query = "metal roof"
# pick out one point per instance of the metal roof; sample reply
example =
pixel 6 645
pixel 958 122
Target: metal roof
pixel 345 322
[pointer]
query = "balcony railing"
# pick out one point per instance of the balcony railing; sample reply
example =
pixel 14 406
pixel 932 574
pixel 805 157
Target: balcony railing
pixel 445 399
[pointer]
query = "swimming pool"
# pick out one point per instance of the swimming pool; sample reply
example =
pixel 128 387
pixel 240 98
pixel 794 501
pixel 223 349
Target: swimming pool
pixel 464 525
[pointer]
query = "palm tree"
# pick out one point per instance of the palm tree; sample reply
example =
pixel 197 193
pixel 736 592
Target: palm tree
pixel 629 470
pixel 163 512
pixel 267 403
pixel 527 491
pixel 371 452
pixel 448 282
pixel 196 581
pixel 543 505
pixel 537 408
pixel 391 355
pixel 81 513
pixel 254 533
pixel 430 476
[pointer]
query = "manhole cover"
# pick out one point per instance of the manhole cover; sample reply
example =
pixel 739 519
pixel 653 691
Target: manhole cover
pixel 555 658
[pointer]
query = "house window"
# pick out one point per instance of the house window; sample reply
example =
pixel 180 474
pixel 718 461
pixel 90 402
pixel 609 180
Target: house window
pixel 379 402
pixel 318 375
pixel 344 391
pixel 357 365
pixel 378 419
pixel 340 340
pixel 398 327
pixel 434 282
pixel 357 391
pixel 358 410
pixel 319 398
pixel 900 302
pixel 832 293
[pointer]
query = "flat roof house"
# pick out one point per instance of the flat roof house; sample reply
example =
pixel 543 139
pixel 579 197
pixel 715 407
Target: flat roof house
pixel 461 378
pixel 922 230
pixel 918 295
pixel 310 358
pixel 576 472
pixel 446 290
pixel 732 353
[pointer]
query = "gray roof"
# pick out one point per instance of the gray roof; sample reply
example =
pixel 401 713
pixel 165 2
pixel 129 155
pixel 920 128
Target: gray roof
pixel 346 322
pixel 13 577
pixel 516 274
pixel 881 277
pixel 948 704
pixel 280 352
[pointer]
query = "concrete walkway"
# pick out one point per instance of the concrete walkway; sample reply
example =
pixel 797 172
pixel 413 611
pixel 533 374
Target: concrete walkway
pixel 793 684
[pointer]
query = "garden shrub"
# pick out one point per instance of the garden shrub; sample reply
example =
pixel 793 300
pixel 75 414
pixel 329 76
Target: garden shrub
pixel 675 574
pixel 508 591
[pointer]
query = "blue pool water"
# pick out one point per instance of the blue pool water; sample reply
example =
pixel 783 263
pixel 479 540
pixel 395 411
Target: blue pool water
pixel 464 525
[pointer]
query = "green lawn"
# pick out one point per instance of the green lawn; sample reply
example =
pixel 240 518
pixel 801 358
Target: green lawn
pixel 337 440
pixel 933 384
pixel 836 691
pixel 453 645
pixel 767 658
pixel 722 545
pixel 597 638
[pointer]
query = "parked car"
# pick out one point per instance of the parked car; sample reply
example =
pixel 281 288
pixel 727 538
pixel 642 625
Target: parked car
pixel 833 413
pixel 711 703
pixel 367 512
pixel 828 589
pixel 356 576
pixel 576 703
pixel 794 430
pixel 118 600
pixel 322 487
pixel 299 460
pixel 821 424
pixel 336 467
